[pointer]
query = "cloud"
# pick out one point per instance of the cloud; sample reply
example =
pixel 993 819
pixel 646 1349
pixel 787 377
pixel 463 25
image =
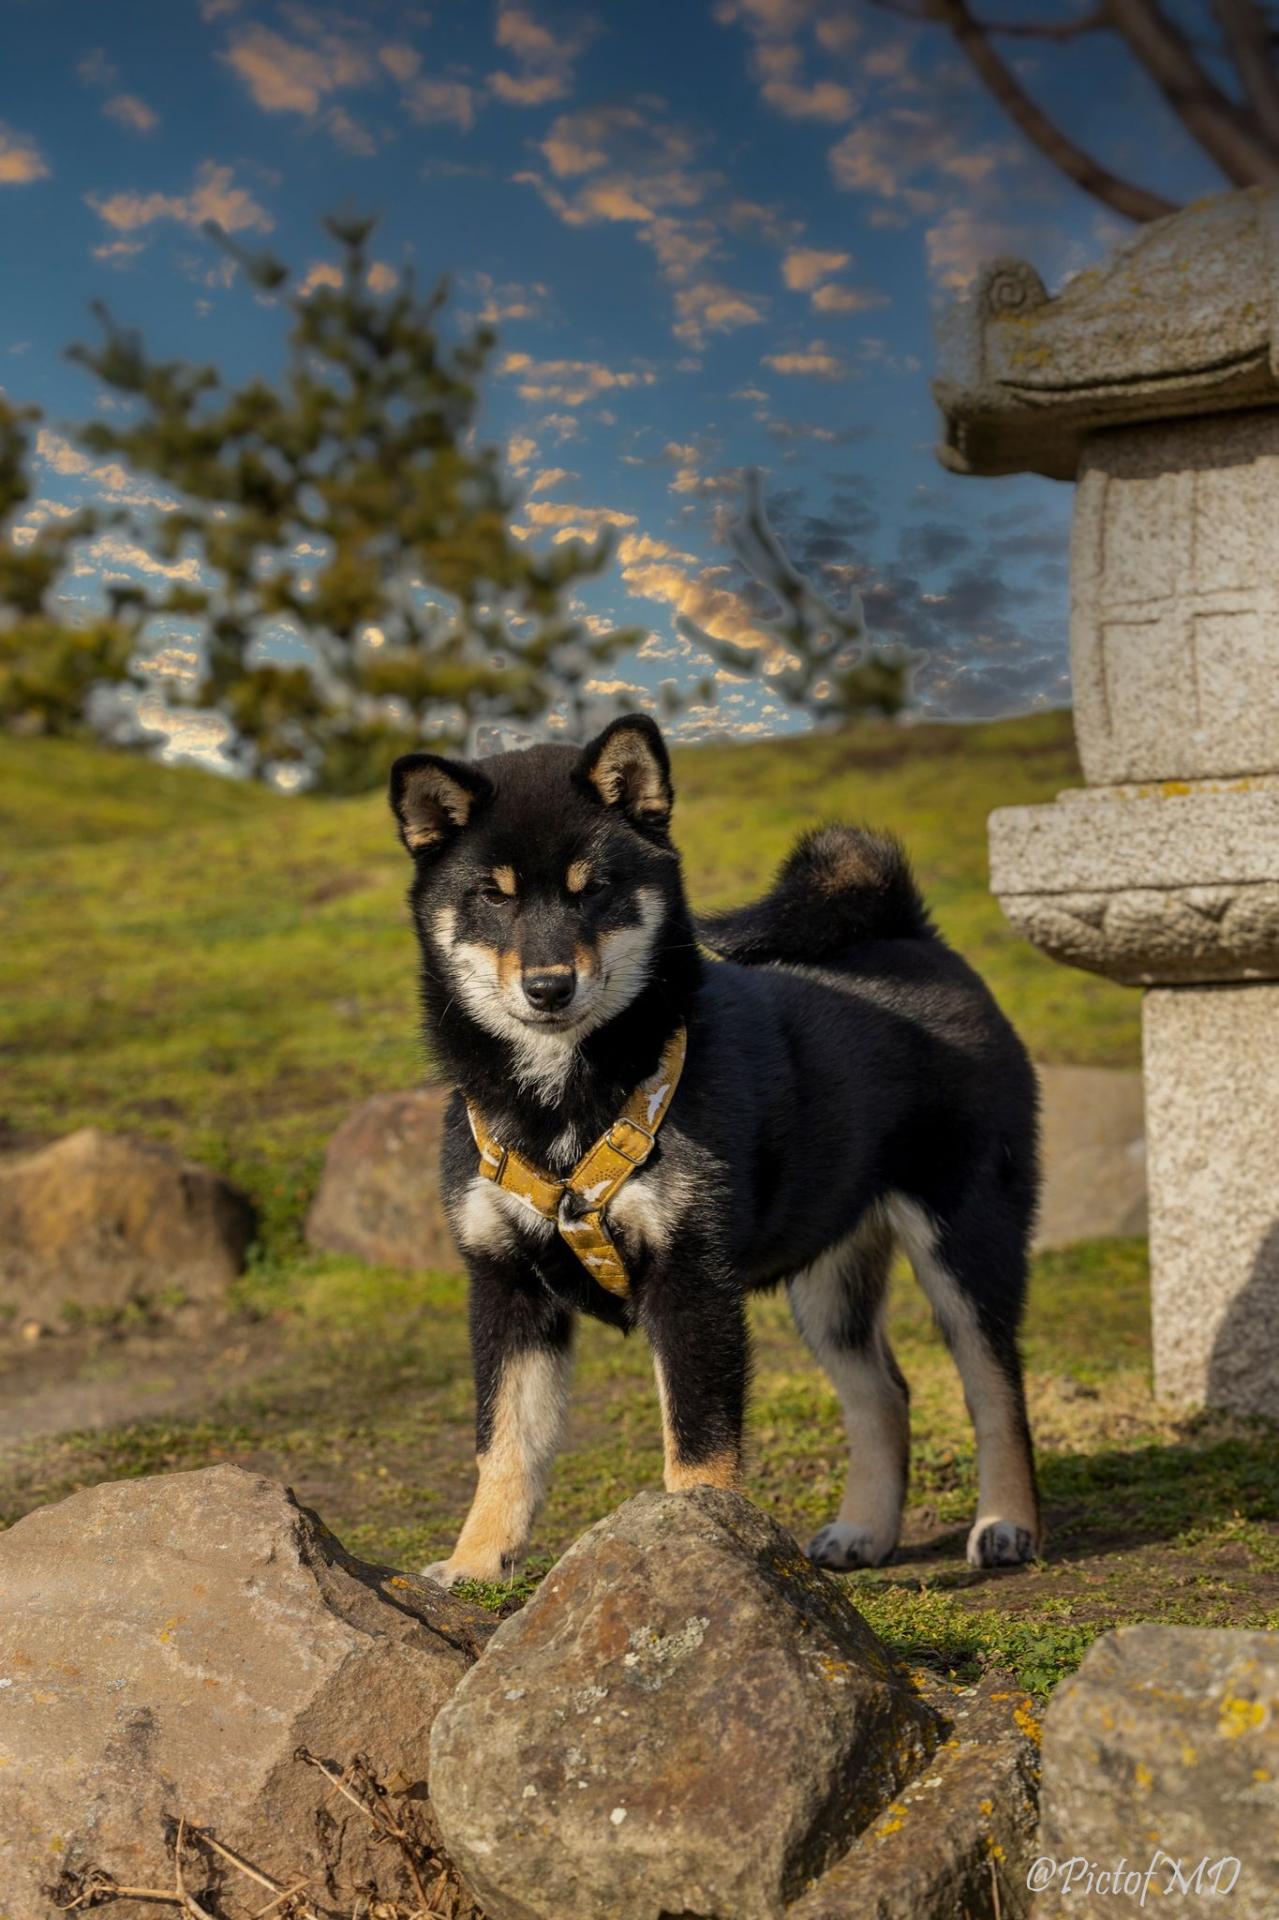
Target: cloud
pixel 38 515
pixel 654 570
pixel 521 452
pixel 214 196
pixel 573 523
pixel 321 273
pixel 910 158
pixel 837 299
pixel 21 160
pixel 816 360
pixel 94 69
pixel 804 268
pixel 708 306
pixel 114 558
pixel 116 252
pixel 288 76
pixel 109 479
pixel 440 103
pixel 544 64
pixel 549 476
pixel 631 164
pixel 779 68
pixel 572 382
pixel 127 110
pixel 509 300
pixel 326 56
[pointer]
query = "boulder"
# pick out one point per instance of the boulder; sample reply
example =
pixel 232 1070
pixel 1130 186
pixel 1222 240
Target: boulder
pixel 1094 1155
pixel 96 1222
pixel 379 1195
pixel 1161 1755
pixel 960 1838
pixel 687 1718
pixel 166 1647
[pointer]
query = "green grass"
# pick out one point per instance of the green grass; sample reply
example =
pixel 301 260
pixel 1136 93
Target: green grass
pixel 365 1408
pixel 231 970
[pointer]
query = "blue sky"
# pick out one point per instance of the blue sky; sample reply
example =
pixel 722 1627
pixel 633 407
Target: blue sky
pixel 713 235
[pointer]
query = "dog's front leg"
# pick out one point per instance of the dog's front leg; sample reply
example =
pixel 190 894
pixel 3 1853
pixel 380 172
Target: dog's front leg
pixel 695 1321
pixel 521 1347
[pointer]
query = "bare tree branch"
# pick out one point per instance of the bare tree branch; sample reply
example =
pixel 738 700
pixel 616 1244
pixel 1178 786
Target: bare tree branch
pixel 1121 196
pixel 1225 130
pixel 1095 22
pixel 1251 38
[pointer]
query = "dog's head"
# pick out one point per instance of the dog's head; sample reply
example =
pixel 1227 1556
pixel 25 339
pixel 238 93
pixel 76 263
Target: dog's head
pixel 544 878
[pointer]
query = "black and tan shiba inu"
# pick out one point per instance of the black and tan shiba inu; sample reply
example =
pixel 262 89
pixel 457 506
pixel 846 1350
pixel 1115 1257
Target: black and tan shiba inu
pixel 848 1085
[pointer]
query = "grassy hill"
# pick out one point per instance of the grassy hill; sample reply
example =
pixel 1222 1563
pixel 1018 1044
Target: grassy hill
pixel 231 969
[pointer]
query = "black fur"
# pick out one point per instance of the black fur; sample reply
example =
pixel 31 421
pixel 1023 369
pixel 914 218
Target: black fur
pixel 839 1053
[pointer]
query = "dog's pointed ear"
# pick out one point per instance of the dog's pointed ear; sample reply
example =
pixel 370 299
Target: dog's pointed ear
pixel 627 767
pixel 433 798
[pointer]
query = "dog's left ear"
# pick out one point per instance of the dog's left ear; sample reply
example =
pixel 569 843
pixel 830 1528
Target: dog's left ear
pixel 627 767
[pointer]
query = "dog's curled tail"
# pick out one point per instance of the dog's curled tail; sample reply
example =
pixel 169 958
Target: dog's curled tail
pixel 840 888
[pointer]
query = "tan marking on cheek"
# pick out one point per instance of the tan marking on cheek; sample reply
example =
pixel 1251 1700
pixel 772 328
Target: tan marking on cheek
pixel 586 961
pixel 504 880
pixel 508 969
pixel 577 876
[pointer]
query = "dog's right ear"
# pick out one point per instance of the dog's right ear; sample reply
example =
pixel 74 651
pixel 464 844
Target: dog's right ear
pixel 433 798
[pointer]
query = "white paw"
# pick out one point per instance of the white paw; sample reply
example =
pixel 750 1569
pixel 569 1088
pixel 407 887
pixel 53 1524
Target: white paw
pixel 442 1572
pixel 1000 1543
pixel 841 1547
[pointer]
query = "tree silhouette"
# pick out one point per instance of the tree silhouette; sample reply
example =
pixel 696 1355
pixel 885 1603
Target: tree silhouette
pixel 1235 124
pixel 338 552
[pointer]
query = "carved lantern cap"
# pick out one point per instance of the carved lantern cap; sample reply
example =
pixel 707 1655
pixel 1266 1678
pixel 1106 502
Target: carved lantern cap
pixel 1183 320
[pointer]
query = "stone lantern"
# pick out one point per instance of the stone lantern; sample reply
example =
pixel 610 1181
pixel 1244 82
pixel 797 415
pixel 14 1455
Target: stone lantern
pixel 1153 383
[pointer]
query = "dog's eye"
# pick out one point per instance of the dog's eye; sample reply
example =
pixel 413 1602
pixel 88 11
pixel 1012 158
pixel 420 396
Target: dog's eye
pixel 593 888
pixel 495 896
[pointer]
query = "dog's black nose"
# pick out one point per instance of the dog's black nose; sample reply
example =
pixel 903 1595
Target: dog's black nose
pixel 550 992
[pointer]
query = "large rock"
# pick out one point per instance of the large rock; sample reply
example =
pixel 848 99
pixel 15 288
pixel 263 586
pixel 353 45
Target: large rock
pixel 166 1646
pixel 1164 1750
pixel 687 1718
pixel 379 1197
pixel 96 1222
pixel 1094 1155
pixel 960 1839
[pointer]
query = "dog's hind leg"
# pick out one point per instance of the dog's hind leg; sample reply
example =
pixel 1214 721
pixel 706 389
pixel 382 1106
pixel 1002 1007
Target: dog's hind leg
pixel 521 1343
pixel 838 1304
pixel 974 1275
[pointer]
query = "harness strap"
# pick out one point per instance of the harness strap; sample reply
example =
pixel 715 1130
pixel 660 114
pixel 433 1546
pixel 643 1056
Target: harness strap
pixel 576 1204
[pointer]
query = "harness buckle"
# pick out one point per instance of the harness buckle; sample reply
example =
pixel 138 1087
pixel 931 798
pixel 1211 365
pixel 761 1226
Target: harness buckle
pixel 636 1141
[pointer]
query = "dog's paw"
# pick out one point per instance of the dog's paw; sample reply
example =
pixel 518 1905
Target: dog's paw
pixel 842 1547
pixel 1000 1543
pixel 440 1571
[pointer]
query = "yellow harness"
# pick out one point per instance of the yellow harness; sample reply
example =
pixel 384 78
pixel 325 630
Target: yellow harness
pixel 576 1204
